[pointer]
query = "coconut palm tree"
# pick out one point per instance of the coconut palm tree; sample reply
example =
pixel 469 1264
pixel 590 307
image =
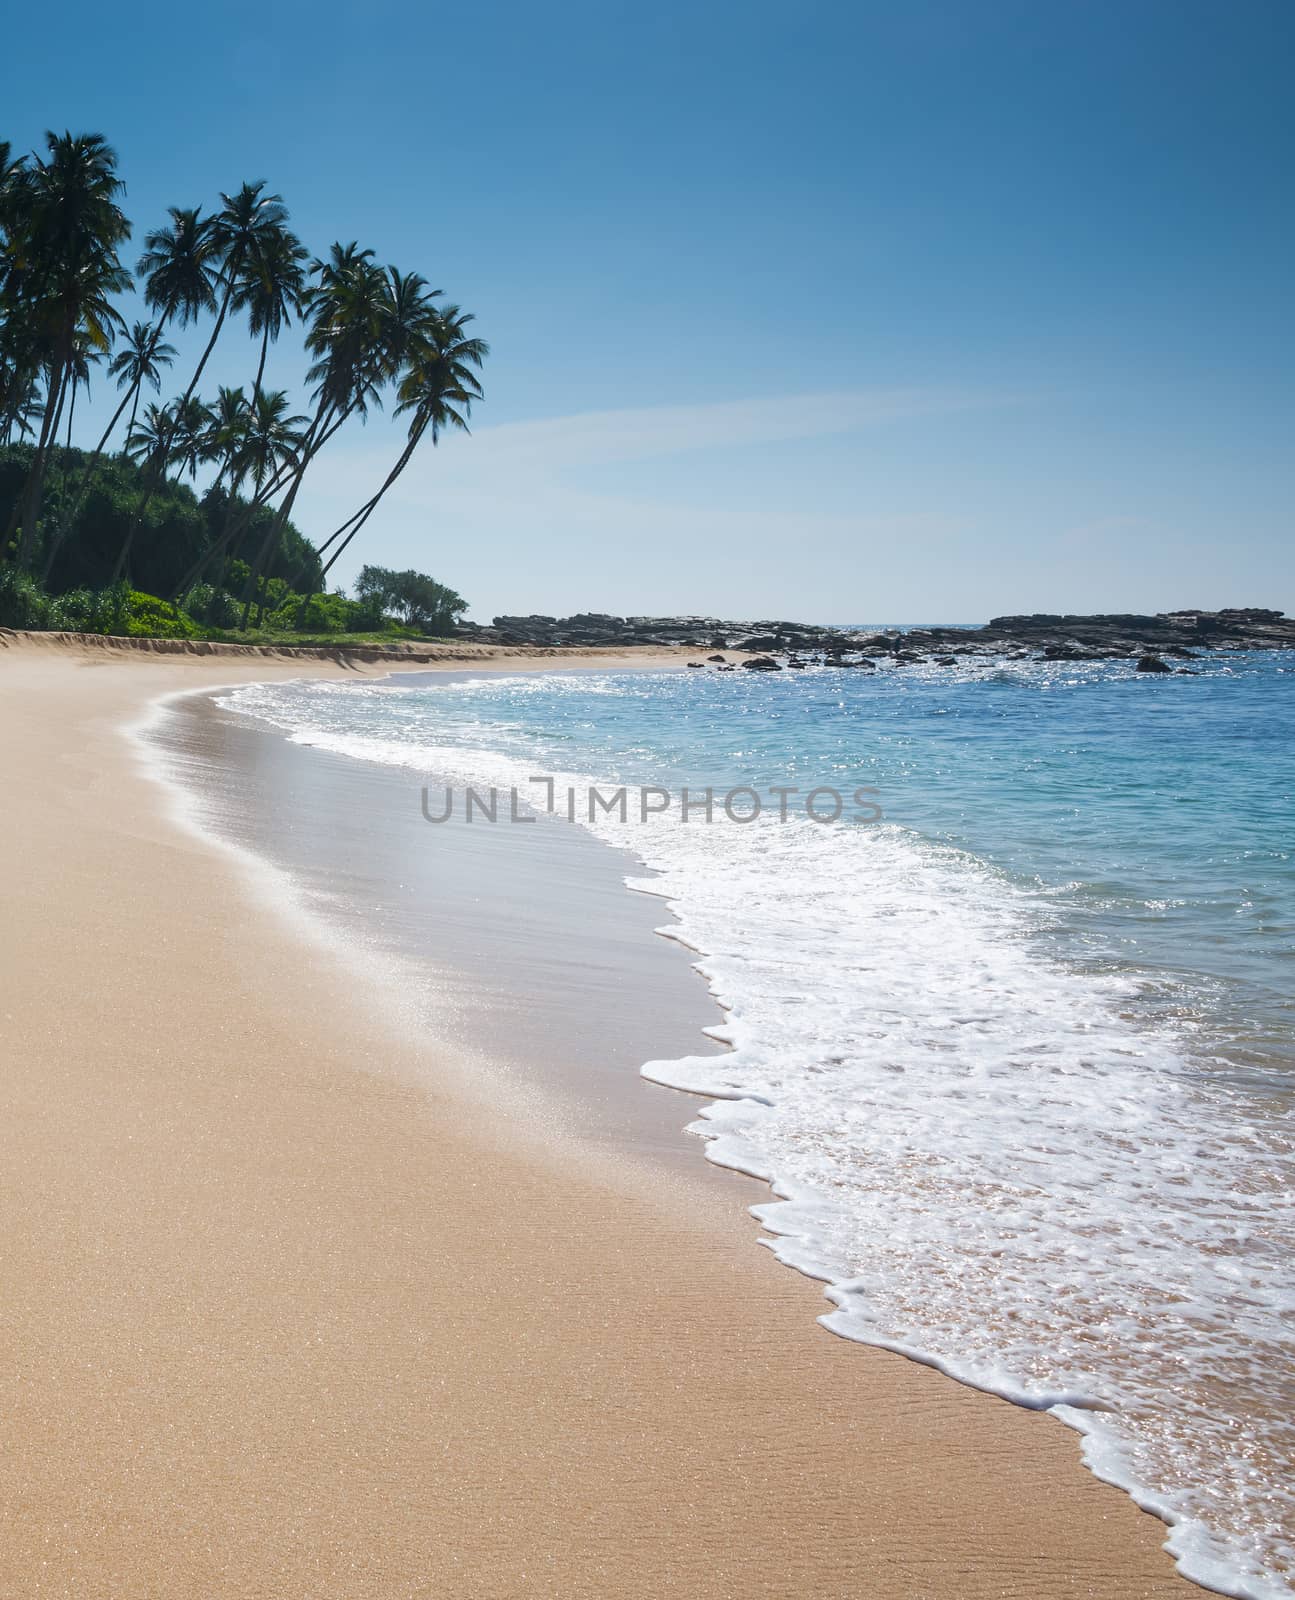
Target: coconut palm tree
pixel 244 224
pixel 226 242
pixel 270 288
pixel 180 268
pixel 149 441
pixel 408 322
pixel 227 420
pixel 436 391
pixel 256 441
pixel 21 406
pixel 15 175
pixel 10 168
pixel 66 226
pixel 348 334
pixel 139 362
pixel 270 441
pixel 82 359
pixel 190 436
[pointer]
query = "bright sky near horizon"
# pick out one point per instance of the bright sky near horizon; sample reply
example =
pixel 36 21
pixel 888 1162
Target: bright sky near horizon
pixel 924 310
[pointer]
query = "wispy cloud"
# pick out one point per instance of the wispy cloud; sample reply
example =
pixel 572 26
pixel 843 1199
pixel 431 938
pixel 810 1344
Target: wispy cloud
pixel 607 436
pixel 521 493
pixel 548 450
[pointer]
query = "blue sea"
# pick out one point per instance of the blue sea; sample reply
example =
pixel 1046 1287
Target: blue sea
pixel 1017 1056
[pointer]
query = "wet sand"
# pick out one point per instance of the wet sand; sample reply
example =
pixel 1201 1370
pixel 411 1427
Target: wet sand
pixel 305 1298
pixel 519 947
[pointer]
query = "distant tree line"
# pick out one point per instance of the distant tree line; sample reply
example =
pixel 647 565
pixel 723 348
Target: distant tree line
pixel 124 515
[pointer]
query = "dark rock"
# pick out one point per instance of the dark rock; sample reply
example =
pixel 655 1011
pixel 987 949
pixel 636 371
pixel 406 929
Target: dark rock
pixel 1107 636
pixel 1070 652
pixel 762 664
pixel 697 664
pixel 1152 664
pixel 714 658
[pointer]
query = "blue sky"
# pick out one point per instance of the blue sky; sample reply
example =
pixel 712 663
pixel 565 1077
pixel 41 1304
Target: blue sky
pixel 904 311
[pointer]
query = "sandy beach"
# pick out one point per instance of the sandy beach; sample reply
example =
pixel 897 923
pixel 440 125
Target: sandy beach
pixel 285 1316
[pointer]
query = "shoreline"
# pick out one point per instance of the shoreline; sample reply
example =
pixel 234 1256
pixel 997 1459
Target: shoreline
pixel 524 952
pixel 394 657
pixel 286 1318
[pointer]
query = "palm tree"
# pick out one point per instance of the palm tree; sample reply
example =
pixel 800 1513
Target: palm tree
pixel 66 225
pixel 270 288
pixel 20 354
pixel 82 359
pixel 348 335
pixel 20 402
pixel 11 167
pixel 189 445
pixel 244 224
pixel 257 441
pixel 180 268
pixel 227 420
pixel 139 362
pixel 149 441
pixel 436 391
pixel 270 440
pixel 223 244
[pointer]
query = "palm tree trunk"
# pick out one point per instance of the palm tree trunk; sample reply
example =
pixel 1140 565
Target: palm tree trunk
pixel 36 478
pixel 131 398
pixel 363 514
pixel 124 555
pixel 318 435
pixel 131 393
pixel 134 409
pixel 234 525
pixel 211 345
pixel 267 544
pixel 260 370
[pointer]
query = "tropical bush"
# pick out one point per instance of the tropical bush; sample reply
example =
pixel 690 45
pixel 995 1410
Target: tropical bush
pixel 23 603
pixel 216 608
pixel 147 617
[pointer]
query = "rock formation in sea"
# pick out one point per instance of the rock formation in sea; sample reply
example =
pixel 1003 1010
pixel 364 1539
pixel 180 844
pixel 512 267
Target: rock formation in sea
pixel 1124 635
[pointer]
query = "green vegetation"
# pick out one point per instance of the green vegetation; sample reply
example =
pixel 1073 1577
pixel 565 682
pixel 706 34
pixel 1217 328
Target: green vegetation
pixel 119 541
pixel 412 597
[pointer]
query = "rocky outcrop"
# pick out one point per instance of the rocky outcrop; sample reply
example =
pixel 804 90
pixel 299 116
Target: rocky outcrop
pixel 1106 636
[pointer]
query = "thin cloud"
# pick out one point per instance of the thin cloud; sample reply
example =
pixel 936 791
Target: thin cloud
pixel 548 446
pixel 518 494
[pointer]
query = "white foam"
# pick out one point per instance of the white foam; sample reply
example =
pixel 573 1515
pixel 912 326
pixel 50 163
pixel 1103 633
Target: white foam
pixel 992 1167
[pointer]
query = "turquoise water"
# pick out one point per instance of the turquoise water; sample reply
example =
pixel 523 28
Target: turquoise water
pixel 1018 1058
